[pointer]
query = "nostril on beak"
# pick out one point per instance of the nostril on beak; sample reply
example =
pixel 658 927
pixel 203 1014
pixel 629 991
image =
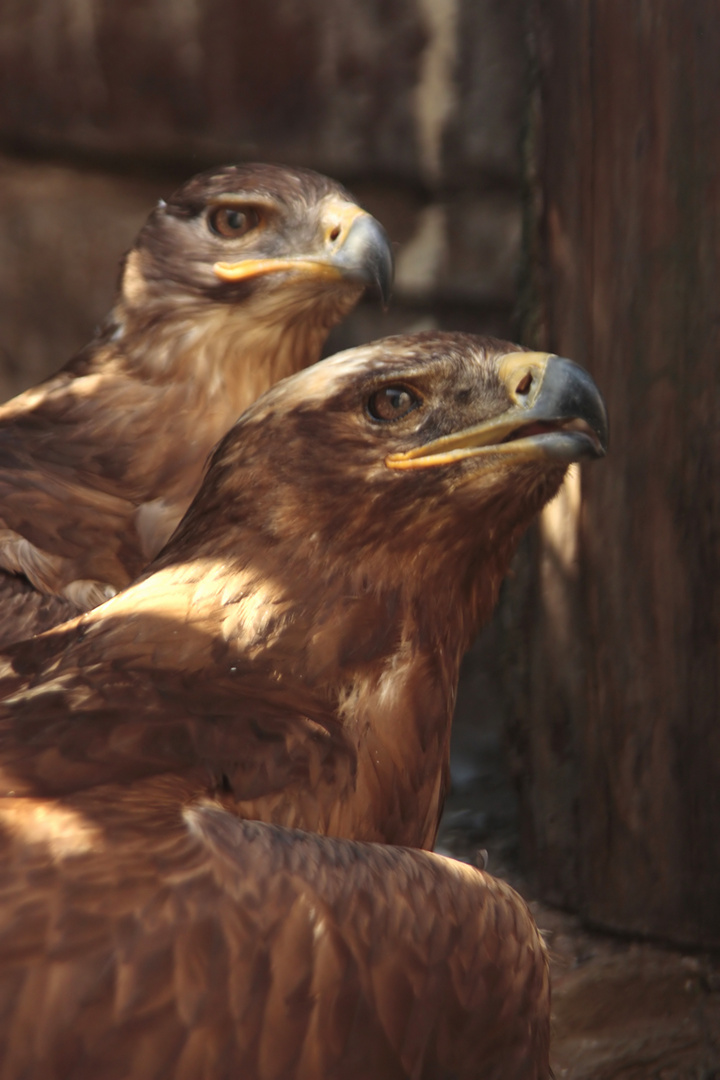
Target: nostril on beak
pixel 334 233
pixel 523 387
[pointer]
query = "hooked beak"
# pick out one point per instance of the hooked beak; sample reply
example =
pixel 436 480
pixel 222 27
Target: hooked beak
pixel 353 247
pixel 557 414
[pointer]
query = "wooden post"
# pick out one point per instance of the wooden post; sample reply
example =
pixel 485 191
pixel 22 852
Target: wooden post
pixel 621 724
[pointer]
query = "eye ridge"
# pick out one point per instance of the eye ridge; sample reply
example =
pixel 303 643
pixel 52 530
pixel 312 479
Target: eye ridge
pixel 230 222
pixel 392 403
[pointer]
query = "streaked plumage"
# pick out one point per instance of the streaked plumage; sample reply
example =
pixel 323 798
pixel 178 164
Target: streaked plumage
pixel 232 284
pixel 189 944
pixel 290 657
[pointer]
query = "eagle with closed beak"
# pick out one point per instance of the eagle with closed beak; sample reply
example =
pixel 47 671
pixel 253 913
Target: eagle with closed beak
pixel 232 284
pixel 202 776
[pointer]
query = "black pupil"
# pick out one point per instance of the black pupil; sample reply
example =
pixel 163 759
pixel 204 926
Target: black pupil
pixel 397 399
pixel 231 223
pixel 235 219
pixel 391 403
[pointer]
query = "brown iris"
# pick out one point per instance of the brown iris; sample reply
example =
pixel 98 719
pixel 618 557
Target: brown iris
pixel 232 222
pixel 392 403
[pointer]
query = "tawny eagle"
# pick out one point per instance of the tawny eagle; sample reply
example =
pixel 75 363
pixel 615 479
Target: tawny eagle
pixel 288 662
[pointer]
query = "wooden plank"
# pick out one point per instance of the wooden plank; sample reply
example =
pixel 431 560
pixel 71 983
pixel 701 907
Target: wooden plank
pixel 544 727
pixel 630 172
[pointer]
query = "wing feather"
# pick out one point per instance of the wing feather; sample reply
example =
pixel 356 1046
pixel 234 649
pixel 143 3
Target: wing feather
pixel 189 943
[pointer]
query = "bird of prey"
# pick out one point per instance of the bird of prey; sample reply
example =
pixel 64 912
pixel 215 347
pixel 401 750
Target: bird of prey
pixel 288 662
pixel 188 943
pixel 232 284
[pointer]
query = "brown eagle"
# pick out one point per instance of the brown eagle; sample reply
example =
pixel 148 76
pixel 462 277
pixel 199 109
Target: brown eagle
pixel 288 662
pixel 232 284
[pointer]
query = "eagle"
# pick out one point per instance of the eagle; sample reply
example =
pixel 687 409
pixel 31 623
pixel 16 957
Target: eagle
pixel 218 785
pixel 232 284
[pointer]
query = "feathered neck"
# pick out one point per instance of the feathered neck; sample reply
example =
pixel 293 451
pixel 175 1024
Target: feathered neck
pixel 229 355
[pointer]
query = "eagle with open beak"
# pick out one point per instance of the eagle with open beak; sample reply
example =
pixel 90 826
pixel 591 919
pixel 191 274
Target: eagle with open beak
pixel 232 284
pixel 288 662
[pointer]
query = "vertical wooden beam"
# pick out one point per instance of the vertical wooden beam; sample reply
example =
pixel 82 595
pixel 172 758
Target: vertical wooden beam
pixel 546 730
pixel 624 713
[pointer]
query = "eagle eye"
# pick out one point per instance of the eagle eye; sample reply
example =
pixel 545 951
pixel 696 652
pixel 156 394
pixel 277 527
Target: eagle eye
pixel 392 403
pixel 230 222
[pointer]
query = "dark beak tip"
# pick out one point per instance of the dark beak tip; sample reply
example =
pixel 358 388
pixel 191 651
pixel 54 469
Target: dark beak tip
pixel 367 255
pixel 571 391
pixel 384 279
pixel 601 427
pixel 599 448
pixel 381 264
